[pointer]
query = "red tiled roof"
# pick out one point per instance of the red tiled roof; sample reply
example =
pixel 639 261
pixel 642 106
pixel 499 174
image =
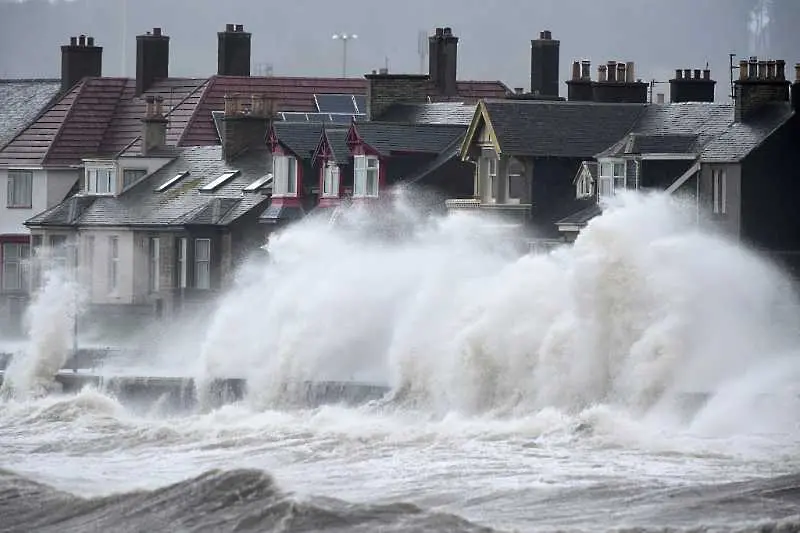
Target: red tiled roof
pixel 289 94
pixel 30 146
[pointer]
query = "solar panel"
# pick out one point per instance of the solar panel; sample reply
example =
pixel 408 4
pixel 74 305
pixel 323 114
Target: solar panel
pixel 361 104
pixel 260 183
pixel 294 117
pixel 219 181
pixel 341 119
pixel 335 103
pixel 170 182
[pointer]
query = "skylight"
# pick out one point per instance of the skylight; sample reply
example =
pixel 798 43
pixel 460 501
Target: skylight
pixel 170 182
pixel 219 181
pixel 260 183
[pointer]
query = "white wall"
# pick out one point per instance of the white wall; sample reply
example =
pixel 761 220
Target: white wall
pixel 49 188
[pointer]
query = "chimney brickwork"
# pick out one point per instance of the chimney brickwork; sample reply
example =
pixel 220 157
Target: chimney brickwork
pixel 154 125
pixel 152 59
pixel 233 51
pixel 80 59
pixel 759 84
pixel 691 86
pixel 544 65
pixel 245 123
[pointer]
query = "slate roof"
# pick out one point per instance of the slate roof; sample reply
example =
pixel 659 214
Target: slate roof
pixel 535 128
pixel 449 153
pixel 581 217
pixel 389 137
pixel 741 138
pixel 301 138
pixel 180 204
pixel 638 143
pixel 432 113
pixel 337 140
pixel 21 101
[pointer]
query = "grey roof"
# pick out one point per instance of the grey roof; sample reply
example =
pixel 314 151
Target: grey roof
pixel 535 128
pixel 430 113
pixel 741 138
pixel 181 204
pixel 581 217
pixel 450 152
pixel 280 213
pixel 21 102
pixel 638 143
pixel 301 138
pixel 337 141
pixel 388 137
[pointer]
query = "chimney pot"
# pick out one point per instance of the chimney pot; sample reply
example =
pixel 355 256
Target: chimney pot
pixel 678 74
pixel 611 71
pixel 586 73
pixel 239 28
pixel 762 70
pixel 519 90
pixel 707 74
pixel 780 70
pixel 752 68
pixel 440 32
pixel 621 72
pixel 447 32
pixel 90 41
pixel 697 73
pixel 548 35
pixel 82 40
pixel 687 73
pixel 743 70
pixel 374 72
pixel 771 69
pixel 797 73
pixel 384 71
pixel 630 72
pixel 157 32
pixel 576 70
pixel 228 27
pixel 73 41
pixel 541 35
pixel 601 73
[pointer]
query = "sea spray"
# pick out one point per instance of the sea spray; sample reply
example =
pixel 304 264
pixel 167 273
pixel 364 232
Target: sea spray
pixel 642 309
pixel 50 323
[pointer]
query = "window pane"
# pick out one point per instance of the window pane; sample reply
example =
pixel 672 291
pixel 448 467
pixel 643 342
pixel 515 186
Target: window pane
pixel 202 249
pixel 619 169
pixel 605 169
pixel 291 183
pixel 131 176
pixel 20 188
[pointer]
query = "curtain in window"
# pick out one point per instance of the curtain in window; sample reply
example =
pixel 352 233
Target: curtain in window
pixel 20 188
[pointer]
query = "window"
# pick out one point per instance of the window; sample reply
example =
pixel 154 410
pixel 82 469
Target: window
pixel 612 178
pixel 261 183
pixel 492 173
pixel 330 180
pixel 218 182
pixel 367 170
pixel 584 185
pixel 113 264
pixel 58 251
pixel 20 188
pixel 131 176
pixel 101 180
pixel 182 245
pixel 172 181
pixel 15 266
pixel 202 263
pixel 154 255
pixel 88 255
pixel 284 170
pixel 719 191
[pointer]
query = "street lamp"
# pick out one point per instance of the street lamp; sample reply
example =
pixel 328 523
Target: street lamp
pixel 344 37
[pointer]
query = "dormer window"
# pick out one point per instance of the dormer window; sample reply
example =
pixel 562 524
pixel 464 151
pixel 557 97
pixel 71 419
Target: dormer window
pixel 366 176
pixel 330 180
pixel 101 179
pixel 284 172
pixel 612 178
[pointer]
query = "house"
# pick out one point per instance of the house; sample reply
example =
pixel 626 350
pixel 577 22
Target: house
pixel 735 161
pixel 167 241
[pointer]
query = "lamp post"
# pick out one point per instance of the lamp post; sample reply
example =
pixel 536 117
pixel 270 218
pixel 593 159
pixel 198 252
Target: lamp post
pixel 344 37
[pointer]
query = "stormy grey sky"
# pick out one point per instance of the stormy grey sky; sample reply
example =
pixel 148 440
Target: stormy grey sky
pixel 295 37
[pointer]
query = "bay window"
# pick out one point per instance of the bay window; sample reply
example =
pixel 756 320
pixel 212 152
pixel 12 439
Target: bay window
pixel 612 178
pixel 367 170
pixel 330 180
pixel 15 266
pixel 284 172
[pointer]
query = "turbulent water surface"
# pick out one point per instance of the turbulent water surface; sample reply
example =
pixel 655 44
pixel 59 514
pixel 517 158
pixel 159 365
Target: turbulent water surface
pixel 647 378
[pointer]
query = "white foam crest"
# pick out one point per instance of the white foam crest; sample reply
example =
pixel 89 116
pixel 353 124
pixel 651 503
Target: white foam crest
pixel 50 323
pixel 642 309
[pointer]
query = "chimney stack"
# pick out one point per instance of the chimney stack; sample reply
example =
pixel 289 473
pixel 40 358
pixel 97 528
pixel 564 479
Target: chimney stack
pixel 616 84
pixel 759 85
pixel 152 59
pixel 544 65
pixel 245 123
pixel 611 72
pixel 796 88
pixel 691 86
pixel 579 88
pixel 154 125
pixel 233 51
pixel 80 59
pixel 660 98
pixel 586 72
pixel 443 61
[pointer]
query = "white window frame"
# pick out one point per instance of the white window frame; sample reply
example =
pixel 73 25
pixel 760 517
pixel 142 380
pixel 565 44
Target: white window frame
pixel 366 180
pixel 88 257
pixel 18 261
pixel 113 264
pixel 101 179
pixel 154 264
pixel 492 164
pixel 330 180
pixel 611 177
pixel 284 176
pixel 183 245
pixel 202 264
pixel 583 188
pixel 719 191
pixel 19 189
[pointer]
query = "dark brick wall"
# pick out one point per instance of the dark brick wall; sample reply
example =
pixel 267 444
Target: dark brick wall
pixel 241 133
pixel 752 94
pixel 553 193
pixel 387 89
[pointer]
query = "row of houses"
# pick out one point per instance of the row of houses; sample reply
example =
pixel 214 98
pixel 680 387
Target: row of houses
pixel 160 186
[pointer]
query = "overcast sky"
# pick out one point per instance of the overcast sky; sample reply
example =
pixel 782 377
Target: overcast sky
pixel 295 37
